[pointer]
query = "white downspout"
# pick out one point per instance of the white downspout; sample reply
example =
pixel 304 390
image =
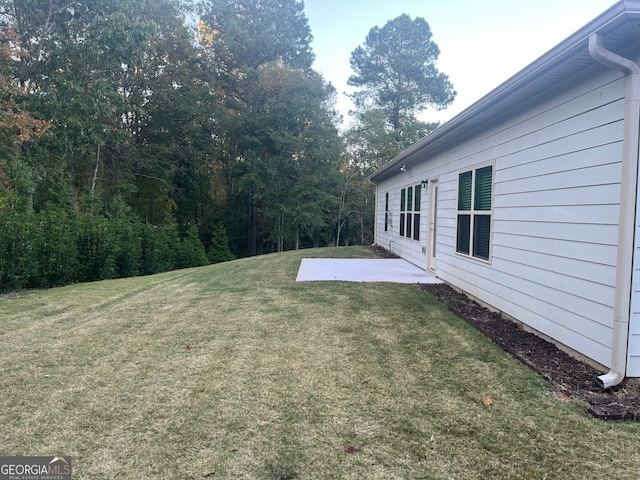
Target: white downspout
pixel 628 188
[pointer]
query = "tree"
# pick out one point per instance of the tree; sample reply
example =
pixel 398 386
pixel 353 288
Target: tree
pixel 245 34
pixel 219 247
pixel 16 125
pixel 94 67
pixel 123 135
pixel 277 132
pixel 372 143
pixel 18 176
pixel 396 71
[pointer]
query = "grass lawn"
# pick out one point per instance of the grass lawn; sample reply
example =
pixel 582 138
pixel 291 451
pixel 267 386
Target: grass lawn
pixel 237 371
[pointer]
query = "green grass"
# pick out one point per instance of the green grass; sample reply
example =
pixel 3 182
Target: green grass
pixel 239 370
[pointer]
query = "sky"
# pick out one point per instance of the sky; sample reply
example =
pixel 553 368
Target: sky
pixel 482 42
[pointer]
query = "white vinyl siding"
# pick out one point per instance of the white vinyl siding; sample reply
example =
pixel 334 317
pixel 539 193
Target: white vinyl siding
pixel 633 359
pixel 555 213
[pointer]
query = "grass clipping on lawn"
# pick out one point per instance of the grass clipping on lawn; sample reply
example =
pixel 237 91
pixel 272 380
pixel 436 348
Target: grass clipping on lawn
pixel 237 371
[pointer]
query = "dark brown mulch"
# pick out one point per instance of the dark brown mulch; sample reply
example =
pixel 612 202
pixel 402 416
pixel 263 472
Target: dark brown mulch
pixel 571 379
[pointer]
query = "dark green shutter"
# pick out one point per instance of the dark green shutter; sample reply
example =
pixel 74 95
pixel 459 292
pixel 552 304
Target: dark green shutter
pixel 416 216
pixel 482 200
pixel 464 190
pixel 464 234
pixel 481 236
pixel 463 240
pixel 386 212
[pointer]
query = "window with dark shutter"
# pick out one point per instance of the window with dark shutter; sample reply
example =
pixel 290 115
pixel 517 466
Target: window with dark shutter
pixel 416 209
pixel 403 206
pixel 410 205
pixel 475 197
pixel 386 212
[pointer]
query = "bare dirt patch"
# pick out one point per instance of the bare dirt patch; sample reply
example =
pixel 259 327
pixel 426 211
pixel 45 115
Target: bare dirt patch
pixel 16 294
pixel 572 380
pixel 383 252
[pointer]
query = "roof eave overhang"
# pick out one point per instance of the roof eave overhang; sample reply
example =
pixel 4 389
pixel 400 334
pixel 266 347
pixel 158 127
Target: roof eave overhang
pixel 624 13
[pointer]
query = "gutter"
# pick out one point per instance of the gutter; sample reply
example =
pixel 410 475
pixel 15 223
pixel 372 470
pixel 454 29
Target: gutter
pixel 447 134
pixel 627 216
pixel 558 57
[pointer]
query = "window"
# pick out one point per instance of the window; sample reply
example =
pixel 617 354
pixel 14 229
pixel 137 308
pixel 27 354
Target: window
pixel 403 197
pixel 387 218
pixel 474 212
pixel 410 212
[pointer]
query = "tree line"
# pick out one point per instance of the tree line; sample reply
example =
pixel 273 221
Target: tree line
pixel 138 136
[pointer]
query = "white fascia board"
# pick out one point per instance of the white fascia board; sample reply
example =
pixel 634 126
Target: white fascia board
pixel 557 56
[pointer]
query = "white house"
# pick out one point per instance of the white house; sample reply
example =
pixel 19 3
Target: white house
pixel 528 199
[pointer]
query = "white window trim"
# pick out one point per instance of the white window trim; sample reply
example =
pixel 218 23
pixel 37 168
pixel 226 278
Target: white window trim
pixel 412 212
pixel 473 212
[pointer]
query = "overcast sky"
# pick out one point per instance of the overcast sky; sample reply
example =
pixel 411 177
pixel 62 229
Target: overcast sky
pixel 482 42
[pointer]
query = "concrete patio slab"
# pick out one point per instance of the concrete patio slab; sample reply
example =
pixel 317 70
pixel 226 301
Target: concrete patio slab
pixel 394 270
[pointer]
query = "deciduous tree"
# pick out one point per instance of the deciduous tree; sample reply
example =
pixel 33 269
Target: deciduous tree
pixel 18 176
pixel 277 132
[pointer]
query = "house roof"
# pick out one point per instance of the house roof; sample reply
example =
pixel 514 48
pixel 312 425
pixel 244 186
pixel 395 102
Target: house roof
pixel 619 26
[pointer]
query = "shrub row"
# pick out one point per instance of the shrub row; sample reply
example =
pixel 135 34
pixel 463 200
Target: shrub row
pixel 54 248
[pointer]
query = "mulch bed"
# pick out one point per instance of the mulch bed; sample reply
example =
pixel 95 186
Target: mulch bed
pixel 572 380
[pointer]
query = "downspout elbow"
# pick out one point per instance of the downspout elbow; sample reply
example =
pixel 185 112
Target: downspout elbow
pixel 611 379
pixel 628 199
pixel 610 59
